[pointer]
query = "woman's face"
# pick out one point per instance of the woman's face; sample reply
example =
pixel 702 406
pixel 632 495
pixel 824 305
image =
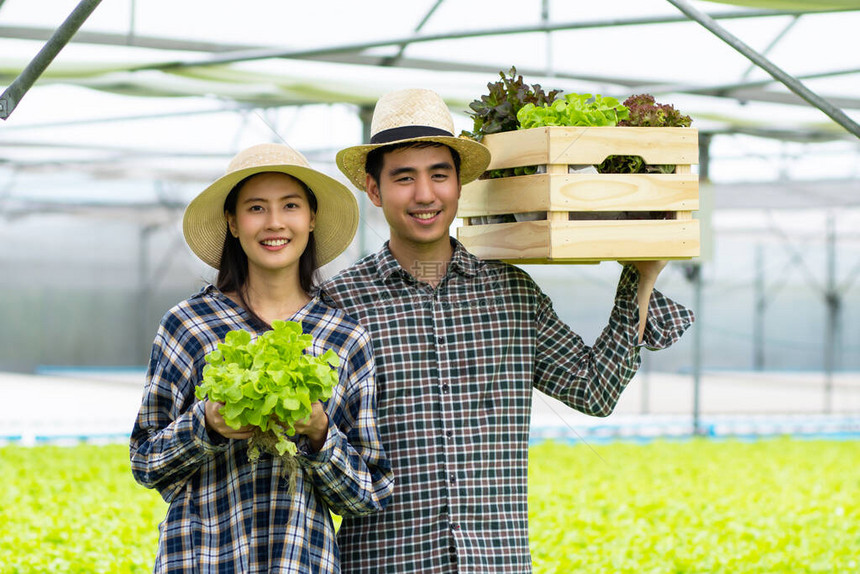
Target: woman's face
pixel 273 220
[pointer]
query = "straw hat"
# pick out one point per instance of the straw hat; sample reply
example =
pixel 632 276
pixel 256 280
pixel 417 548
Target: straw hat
pixel 204 224
pixel 413 115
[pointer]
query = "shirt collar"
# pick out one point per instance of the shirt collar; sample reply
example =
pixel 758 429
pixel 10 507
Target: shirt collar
pixel 462 262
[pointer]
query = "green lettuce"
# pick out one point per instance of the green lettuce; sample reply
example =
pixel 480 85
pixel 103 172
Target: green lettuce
pixel 269 382
pixel 573 110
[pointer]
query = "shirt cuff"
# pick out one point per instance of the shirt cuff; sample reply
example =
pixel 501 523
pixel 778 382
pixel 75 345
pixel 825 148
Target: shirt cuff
pixel 311 458
pixel 667 321
pixel 209 443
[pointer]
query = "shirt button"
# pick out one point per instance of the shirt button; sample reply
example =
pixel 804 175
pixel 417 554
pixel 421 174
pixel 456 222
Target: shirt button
pixel 455 526
pixel 440 340
pixel 444 387
pixel 449 433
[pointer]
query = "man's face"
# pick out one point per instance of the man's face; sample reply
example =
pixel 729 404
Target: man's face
pixel 418 191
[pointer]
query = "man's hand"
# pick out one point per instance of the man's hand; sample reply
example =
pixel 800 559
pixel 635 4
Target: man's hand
pixel 649 270
pixel 315 426
pixel 215 423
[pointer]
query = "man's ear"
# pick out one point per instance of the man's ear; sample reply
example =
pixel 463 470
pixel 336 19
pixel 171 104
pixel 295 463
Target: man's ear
pixel 372 188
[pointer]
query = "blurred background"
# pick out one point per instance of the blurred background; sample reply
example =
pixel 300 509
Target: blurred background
pixel 148 101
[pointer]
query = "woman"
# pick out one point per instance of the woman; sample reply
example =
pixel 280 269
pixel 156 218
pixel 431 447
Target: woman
pixel 266 226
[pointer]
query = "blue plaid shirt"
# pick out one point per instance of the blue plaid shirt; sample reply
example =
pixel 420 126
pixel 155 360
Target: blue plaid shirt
pixel 226 515
pixel 455 369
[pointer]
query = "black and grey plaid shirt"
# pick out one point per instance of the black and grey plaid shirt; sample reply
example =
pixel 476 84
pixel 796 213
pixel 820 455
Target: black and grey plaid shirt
pixel 455 369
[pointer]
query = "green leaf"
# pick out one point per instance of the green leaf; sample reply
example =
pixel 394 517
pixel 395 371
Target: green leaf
pixel 497 111
pixel 291 404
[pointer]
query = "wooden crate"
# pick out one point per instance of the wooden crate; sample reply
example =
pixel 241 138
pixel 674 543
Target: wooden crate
pixel 560 239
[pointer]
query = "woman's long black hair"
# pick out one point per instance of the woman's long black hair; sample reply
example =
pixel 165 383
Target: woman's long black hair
pixel 233 268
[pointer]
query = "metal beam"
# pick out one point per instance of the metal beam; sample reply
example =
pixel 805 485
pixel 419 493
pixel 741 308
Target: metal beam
pixel 134 41
pixel 790 98
pixel 833 306
pixel 790 82
pixel 16 90
pixel 392 60
pixel 181 45
pixel 723 89
pixel 693 273
pixel 771 45
pixel 262 54
pixel 131 118
pixel 728 90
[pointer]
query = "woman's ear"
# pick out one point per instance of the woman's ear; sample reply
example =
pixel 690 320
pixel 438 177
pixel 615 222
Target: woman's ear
pixel 313 221
pixel 231 224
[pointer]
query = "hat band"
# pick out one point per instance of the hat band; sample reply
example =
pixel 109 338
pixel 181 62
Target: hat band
pixel 407 132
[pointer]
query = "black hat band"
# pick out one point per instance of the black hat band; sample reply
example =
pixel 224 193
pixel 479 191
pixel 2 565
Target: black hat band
pixel 407 132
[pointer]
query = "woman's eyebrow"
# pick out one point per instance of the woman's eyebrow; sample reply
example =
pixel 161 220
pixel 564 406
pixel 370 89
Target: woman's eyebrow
pixel 282 198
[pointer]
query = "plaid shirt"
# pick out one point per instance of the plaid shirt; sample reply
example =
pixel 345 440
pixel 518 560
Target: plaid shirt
pixel 226 515
pixel 455 369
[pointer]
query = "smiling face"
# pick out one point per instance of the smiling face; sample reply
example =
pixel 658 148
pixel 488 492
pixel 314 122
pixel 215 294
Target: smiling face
pixel 418 190
pixel 273 221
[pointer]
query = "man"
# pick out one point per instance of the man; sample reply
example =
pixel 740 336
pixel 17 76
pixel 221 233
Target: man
pixel 459 343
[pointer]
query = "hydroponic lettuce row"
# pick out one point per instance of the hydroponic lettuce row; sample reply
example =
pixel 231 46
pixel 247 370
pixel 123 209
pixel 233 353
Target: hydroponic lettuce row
pixel 270 383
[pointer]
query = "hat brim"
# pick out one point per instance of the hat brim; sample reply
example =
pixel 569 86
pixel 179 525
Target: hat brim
pixel 205 226
pixel 474 158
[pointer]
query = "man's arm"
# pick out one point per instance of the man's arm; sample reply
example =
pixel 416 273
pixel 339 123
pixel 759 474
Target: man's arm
pixel 591 379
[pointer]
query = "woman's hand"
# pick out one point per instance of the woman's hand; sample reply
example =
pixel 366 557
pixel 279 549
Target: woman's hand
pixel 315 426
pixel 215 423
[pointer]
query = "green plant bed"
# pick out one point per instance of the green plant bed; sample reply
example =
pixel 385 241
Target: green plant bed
pixel 75 509
pixel 700 506
pixel 688 507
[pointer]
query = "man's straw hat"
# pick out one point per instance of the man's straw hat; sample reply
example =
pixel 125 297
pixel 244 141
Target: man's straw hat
pixel 413 115
pixel 205 226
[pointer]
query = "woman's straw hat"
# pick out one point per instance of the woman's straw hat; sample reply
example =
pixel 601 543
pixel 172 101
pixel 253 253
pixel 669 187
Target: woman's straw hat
pixel 204 224
pixel 413 115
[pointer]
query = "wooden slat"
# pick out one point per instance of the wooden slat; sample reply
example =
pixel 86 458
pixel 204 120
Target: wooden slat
pixel 583 241
pixel 505 195
pixel 591 145
pixel 628 240
pixel 523 240
pixel 580 192
pixel 625 192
